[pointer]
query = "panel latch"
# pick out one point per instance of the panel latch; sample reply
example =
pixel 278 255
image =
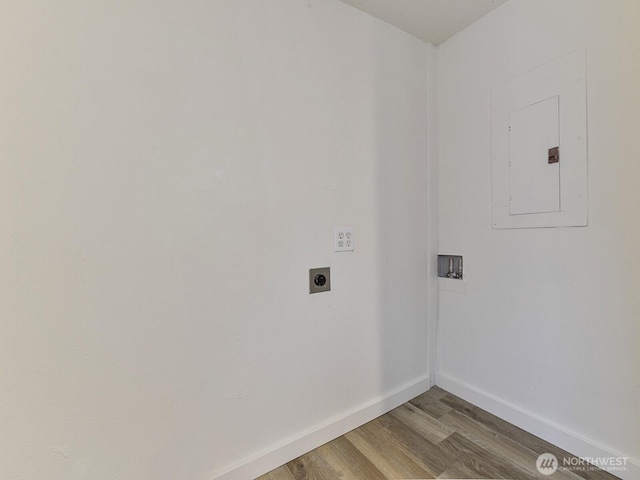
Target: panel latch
pixel 554 155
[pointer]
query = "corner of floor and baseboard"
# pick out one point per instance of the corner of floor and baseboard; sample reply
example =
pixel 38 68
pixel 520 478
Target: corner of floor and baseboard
pixel 560 436
pixel 289 449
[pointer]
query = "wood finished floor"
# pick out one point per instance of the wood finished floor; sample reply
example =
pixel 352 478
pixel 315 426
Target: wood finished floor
pixel 435 435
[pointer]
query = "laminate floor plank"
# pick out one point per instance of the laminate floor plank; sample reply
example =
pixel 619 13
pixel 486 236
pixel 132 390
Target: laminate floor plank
pixel 311 466
pixel 428 455
pixel 348 461
pixel 435 393
pixel 481 462
pixel 459 471
pixel 534 443
pixel 435 435
pixel 433 408
pixel 429 427
pixel 520 456
pixel 503 427
pixel 371 439
pixel 430 402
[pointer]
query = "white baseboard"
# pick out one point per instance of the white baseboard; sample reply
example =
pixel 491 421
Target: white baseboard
pixel 289 449
pixel 562 437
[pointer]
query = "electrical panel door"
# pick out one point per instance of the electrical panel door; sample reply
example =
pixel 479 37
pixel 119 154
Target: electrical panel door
pixel 534 177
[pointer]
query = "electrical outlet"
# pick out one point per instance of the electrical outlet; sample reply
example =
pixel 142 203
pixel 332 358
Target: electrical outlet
pixel 343 239
pixel 319 280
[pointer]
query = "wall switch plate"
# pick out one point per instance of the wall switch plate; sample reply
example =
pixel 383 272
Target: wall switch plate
pixel 319 280
pixel 343 239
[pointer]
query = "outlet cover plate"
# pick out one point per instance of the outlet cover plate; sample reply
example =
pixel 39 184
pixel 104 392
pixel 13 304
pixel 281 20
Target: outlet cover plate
pixel 343 239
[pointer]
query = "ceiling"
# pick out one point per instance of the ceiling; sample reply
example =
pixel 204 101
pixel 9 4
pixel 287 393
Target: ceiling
pixel 430 20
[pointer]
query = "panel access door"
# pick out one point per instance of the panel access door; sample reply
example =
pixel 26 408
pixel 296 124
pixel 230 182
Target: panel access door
pixel 534 168
pixel 539 173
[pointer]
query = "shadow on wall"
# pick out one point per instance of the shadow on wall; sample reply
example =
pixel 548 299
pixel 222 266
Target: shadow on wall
pixel 401 199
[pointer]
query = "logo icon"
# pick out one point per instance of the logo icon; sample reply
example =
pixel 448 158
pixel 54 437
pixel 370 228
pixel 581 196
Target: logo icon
pixel 547 464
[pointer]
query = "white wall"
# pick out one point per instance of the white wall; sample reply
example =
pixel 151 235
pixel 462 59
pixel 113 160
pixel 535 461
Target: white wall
pixel 168 173
pixel 548 329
